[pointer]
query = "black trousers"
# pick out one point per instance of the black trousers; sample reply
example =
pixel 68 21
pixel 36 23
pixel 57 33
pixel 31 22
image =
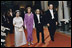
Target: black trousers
pixel 52 29
pixel 11 28
pixel 39 28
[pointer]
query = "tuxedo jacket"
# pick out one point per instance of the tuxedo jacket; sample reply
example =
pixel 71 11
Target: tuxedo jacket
pixel 48 17
pixel 4 21
pixel 10 20
pixel 36 20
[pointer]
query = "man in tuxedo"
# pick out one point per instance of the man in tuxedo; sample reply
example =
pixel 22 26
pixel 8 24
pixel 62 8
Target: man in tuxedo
pixel 22 12
pixel 51 21
pixel 10 21
pixel 38 18
pixel 4 19
pixel 11 13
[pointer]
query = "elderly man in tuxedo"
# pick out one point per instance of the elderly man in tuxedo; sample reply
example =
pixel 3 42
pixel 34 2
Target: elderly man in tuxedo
pixel 51 21
pixel 38 18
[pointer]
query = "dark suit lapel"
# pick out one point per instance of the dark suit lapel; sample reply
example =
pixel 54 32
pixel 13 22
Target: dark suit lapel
pixel 54 13
pixel 50 14
pixel 40 17
pixel 36 17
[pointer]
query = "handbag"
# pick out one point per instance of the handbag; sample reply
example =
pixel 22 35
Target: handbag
pixel 21 29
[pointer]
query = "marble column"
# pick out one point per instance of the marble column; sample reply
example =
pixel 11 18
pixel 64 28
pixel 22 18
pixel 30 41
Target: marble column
pixel 66 10
pixel 42 5
pixel 45 5
pixel 60 12
pixel 33 2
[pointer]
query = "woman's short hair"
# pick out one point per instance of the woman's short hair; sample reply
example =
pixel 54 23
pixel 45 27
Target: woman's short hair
pixel 28 8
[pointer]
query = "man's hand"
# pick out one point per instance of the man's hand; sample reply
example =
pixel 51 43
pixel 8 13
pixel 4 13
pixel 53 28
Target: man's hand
pixel 56 23
pixel 48 25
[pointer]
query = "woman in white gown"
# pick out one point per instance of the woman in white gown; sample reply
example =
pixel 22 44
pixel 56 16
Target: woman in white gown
pixel 20 38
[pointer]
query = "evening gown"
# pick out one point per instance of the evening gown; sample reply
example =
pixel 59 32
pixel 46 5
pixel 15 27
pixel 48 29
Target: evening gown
pixel 20 38
pixel 28 21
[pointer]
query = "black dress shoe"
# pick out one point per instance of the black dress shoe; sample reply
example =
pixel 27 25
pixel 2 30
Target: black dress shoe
pixel 53 40
pixel 37 42
pixel 43 42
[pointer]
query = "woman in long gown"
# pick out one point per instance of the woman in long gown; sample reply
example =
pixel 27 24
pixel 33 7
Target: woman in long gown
pixel 20 38
pixel 28 22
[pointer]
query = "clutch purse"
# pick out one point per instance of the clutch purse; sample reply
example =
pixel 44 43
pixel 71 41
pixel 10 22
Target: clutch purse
pixel 21 29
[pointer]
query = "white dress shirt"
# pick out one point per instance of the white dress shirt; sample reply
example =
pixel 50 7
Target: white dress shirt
pixel 51 11
pixel 38 16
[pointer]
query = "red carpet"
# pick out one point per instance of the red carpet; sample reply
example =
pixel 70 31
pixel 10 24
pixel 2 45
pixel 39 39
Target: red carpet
pixel 61 40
